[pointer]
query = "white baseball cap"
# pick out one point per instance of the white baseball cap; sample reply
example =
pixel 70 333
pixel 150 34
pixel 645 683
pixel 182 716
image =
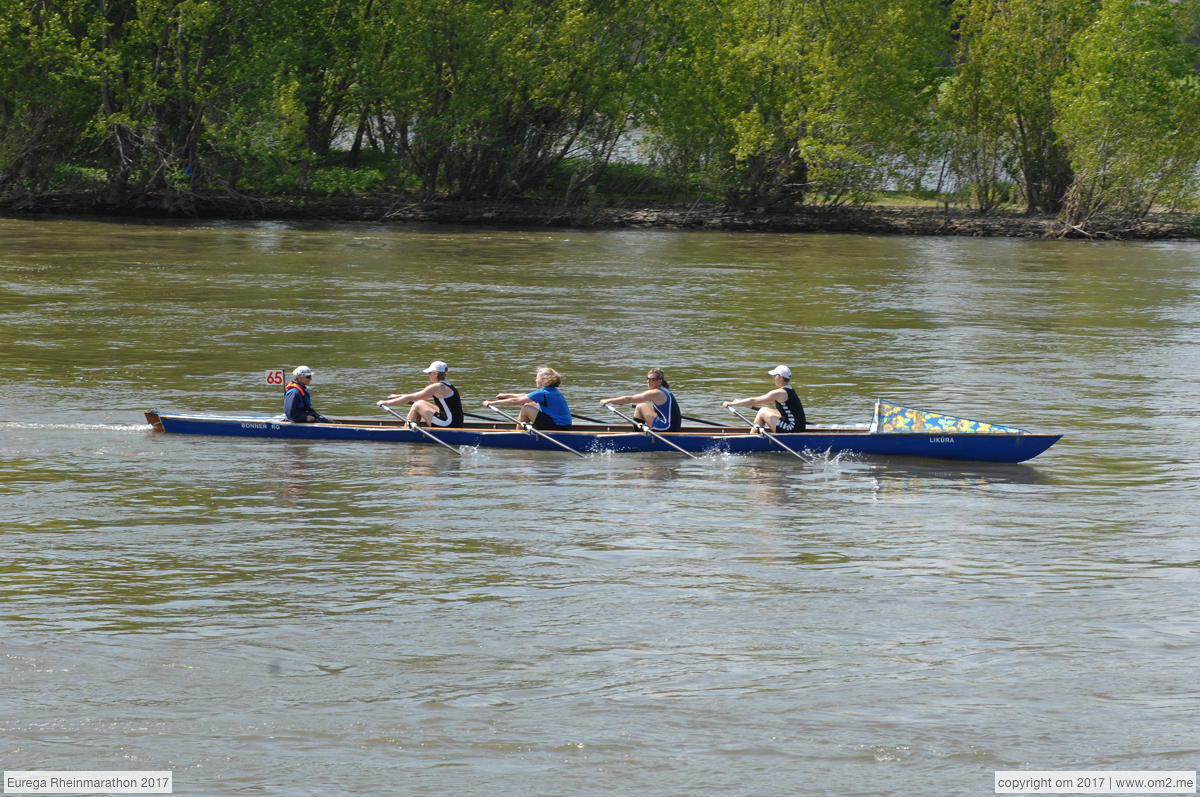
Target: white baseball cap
pixel 302 370
pixel 436 365
pixel 781 370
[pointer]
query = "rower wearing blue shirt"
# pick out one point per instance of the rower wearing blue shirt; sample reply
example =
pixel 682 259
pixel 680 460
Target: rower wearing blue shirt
pixel 656 405
pixel 544 408
pixel 297 401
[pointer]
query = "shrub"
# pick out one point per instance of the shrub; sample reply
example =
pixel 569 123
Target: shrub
pixel 341 180
pixel 68 177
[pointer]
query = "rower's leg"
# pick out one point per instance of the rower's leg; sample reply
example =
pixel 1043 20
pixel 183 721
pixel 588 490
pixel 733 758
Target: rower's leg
pixel 422 412
pixel 645 413
pixel 768 417
pixel 528 413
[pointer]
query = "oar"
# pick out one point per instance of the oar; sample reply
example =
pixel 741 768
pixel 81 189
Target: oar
pixel 643 427
pixel 529 428
pixel 589 420
pixel 701 420
pixel 763 431
pixel 417 426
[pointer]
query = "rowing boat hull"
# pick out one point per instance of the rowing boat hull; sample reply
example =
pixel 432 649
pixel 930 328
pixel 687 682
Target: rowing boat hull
pixel 597 438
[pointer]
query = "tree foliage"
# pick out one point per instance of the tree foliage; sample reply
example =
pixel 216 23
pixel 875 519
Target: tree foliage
pixel 1087 105
pixel 785 100
pixel 49 76
pixel 998 107
pixel 486 99
pixel 1129 110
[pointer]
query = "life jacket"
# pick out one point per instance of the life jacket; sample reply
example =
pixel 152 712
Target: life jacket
pixel 302 407
pixel 303 392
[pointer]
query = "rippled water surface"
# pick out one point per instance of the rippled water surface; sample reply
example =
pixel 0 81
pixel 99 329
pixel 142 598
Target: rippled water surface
pixel 292 618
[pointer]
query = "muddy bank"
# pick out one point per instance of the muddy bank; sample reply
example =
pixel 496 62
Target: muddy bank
pixel 529 213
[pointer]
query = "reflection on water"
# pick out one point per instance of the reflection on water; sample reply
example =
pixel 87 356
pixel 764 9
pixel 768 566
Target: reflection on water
pixel 295 617
pixel 897 475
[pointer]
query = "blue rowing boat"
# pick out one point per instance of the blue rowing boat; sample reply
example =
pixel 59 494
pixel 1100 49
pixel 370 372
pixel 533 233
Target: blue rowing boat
pixel 895 431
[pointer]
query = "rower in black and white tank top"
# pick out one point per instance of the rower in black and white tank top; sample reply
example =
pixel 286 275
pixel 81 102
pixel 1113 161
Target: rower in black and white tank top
pixel 791 412
pixel 449 409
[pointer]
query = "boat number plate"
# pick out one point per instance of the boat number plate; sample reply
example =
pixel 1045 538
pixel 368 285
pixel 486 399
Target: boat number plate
pixel 275 377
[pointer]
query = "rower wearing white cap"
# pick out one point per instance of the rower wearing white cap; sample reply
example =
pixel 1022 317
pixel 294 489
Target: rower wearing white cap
pixel 436 404
pixel 297 401
pixel 788 413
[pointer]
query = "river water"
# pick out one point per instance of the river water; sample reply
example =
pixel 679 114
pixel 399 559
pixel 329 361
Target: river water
pixel 292 618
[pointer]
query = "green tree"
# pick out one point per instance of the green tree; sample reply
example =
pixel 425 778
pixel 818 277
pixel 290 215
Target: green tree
pixel 486 98
pixel 689 108
pixel 323 49
pixel 878 68
pixel 48 67
pixel 168 70
pixel 782 100
pixel 998 108
pixel 1128 110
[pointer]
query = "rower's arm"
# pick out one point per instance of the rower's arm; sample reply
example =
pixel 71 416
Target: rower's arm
pixel 408 398
pixel 510 400
pixel 654 395
pixel 757 401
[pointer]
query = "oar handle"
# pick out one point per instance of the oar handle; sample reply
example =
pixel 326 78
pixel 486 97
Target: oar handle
pixel 644 428
pixel 417 427
pixel 746 420
pixel 762 430
pixel 391 411
pixel 586 418
pixel 701 420
pixel 641 427
pixel 529 428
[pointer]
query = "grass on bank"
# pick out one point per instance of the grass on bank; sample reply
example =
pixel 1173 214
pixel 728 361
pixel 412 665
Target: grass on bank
pixel 618 185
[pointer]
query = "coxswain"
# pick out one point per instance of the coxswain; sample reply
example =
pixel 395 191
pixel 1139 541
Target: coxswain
pixel 297 400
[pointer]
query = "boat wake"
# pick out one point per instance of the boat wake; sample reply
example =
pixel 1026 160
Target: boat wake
pixel 74 427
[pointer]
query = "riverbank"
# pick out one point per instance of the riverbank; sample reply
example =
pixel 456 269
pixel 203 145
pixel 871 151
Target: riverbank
pixel 871 219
